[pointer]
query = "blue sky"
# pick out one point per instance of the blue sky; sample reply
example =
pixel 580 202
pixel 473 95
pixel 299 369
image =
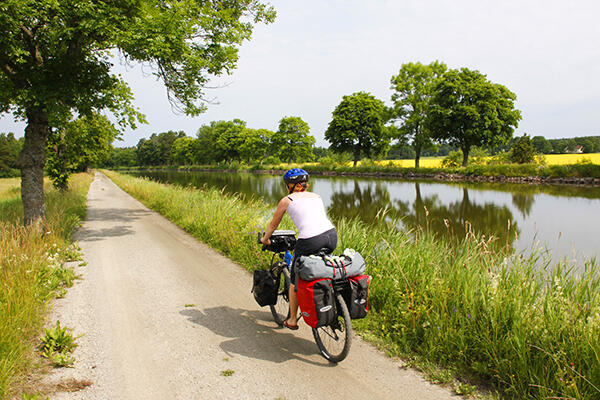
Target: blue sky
pixel 318 51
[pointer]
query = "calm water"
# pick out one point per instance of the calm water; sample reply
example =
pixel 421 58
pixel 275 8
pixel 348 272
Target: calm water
pixel 565 220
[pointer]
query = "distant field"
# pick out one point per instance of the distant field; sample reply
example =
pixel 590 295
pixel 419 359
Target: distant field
pixel 561 159
pixel 551 159
pixel 6 184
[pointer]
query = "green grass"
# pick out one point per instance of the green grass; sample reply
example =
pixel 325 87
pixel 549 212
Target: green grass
pixel 511 323
pixel 32 273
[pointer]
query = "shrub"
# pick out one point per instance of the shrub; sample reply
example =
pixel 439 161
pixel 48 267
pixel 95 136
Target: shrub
pixel 522 151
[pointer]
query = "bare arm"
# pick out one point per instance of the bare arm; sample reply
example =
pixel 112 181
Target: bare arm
pixel 277 216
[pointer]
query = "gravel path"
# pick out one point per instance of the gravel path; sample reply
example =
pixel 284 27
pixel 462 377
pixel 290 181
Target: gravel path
pixel 165 317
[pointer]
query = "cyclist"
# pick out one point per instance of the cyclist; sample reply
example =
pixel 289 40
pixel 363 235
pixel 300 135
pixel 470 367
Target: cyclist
pixel 315 230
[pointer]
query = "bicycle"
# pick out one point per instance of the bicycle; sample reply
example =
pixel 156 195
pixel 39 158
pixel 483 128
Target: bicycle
pixel 333 340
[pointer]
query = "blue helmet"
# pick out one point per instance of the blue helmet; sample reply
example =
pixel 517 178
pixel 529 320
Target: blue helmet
pixel 295 175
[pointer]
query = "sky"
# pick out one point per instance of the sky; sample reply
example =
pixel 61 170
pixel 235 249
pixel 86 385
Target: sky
pixel 317 51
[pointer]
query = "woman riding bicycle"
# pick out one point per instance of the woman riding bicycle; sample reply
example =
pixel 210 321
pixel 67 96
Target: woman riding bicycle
pixel 315 230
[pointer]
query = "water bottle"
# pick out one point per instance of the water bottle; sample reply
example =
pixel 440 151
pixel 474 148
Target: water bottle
pixel 288 258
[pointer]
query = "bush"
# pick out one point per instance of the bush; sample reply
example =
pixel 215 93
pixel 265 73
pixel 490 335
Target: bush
pixel 522 151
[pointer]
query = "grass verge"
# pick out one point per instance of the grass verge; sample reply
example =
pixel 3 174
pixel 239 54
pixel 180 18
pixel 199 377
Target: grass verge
pixel 511 323
pixel 32 272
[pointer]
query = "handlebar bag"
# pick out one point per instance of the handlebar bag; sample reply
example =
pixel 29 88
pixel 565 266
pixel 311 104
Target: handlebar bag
pixel 351 263
pixel 264 288
pixel 358 304
pixel 316 300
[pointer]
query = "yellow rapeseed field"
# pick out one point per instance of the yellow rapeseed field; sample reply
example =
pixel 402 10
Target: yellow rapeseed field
pixel 551 159
pixel 7 184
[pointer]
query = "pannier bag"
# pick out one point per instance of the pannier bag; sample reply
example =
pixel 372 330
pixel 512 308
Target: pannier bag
pixel 358 301
pixel 264 288
pixel 316 300
pixel 350 263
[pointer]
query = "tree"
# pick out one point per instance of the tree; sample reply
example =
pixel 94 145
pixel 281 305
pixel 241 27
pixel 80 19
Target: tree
pixel 121 157
pixel 81 143
pixel 541 145
pixel 292 142
pixel 165 141
pixel 358 127
pixel 412 88
pixel 148 152
pixel 522 151
pixel 229 140
pixel 468 110
pixel 256 144
pixel 182 151
pixel 55 62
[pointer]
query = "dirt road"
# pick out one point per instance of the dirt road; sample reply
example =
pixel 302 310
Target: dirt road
pixel 165 317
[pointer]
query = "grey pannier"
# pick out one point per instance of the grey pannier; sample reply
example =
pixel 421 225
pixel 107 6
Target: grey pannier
pixel 350 263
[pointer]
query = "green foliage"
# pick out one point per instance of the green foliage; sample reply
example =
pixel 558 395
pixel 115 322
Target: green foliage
pixel 57 345
pixel 541 145
pixel 256 144
pixel 453 160
pixel 413 87
pixel 182 151
pixel 82 143
pixel 157 150
pixel 588 144
pixel 10 147
pixel 357 126
pixel 467 110
pixel 522 151
pixel 292 142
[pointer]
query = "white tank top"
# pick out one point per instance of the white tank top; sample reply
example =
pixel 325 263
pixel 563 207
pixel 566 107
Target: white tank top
pixel 309 216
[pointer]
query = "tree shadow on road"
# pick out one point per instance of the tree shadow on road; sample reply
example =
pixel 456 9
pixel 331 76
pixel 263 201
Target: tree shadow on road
pixel 121 215
pixel 252 337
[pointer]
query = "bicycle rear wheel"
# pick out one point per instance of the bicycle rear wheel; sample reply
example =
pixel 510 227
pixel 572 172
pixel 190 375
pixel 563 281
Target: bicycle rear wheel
pixel 334 340
pixel 281 309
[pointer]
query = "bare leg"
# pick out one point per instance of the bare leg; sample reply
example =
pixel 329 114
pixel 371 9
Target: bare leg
pixel 293 320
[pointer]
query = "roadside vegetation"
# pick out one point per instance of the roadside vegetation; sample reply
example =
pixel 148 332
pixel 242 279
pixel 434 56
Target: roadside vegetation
pixel 32 273
pixel 515 324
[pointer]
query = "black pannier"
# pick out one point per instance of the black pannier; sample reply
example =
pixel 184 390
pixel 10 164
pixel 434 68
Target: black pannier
pixel 358 299
pixel 264 288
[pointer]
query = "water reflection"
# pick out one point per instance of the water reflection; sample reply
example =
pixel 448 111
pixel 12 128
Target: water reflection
pixel 562 219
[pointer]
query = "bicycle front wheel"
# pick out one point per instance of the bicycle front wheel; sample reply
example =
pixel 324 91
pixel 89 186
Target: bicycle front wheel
pixel 334 340
pixel 281 309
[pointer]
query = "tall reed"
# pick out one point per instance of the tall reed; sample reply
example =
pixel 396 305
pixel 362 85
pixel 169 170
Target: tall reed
pixel 32 272
pixel 528 329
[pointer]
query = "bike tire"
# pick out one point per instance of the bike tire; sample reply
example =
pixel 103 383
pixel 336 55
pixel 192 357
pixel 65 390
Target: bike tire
pixel 281 309
pixel 334 340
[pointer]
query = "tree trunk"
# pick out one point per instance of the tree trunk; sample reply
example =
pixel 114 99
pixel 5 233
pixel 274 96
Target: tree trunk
pixel 465 157
pixel 417 156
pixel 356 155
pixel 31 162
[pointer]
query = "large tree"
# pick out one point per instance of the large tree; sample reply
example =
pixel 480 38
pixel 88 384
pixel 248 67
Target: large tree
pixel 412 88
pixel 55 62
pixel 292 141
pixel 358 126
pixel 466 110
pixel 256 144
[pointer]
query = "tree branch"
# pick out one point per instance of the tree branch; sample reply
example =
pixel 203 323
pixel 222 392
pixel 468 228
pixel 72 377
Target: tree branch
pixel 35 50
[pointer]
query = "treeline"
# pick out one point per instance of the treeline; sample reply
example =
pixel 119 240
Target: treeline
pixel 222 142
pixel 584 144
